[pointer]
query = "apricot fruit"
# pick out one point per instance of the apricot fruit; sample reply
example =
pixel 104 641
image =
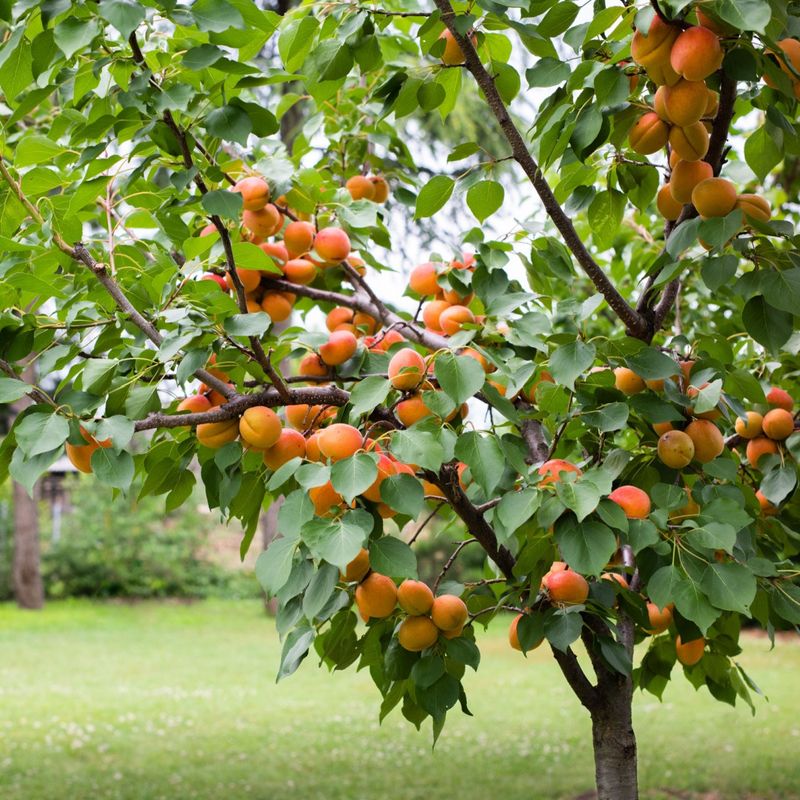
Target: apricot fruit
pixel 453 54
pixel 417 633
pixel 667 205
pixel 696 53
pixel 714 197
pixel 290 444
pixel 758 448
pixel 780 398
pixel 302 416
pixel 652 51
pixel 412 410
pixel 649 134
pixel 195 404
pixel 768 509
pixel 278 305
pixel 312 447
pixel 662 427
pixel 778 424
pixel 263 222
pixel 358 567
pixel 513 635
pixel 300 270
pixel 750 426
pixel 381 186
pixel 543 377
pixel 277 252
pixel 376 596
pixel 676 449
pixel 218 279
pixel 81 454
pixel 685 102
pixel 298 238
pixel 311 364
pixel 360 188
pixel 260 427
pixel 754 207
pixel 339 441
pixel 332 245
pixel 707 439
pixel 627 381
pixel 340 347
pixel 660 618
pixel 415 597
pixel 453 319
pixel 551 470
pixel 406 369
pixel 217 434
pixel 567 587
pixel 449 612
pixel 556 566
pixel 422 279
pixel 254 192
pixel 250 279
pixel 325 498
pixel 790 54
pixel 691 652
pixel 632 500
pixel 690 143
pixel 431 313
pixel 386 469
pixel 685 176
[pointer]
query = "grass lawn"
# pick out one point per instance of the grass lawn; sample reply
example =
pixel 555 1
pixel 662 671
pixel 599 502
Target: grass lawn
pixel 173 701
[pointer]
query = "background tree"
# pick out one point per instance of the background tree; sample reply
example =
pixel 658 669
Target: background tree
pixel 600 402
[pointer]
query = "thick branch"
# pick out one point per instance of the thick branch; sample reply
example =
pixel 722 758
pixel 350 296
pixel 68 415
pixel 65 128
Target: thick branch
pixel 576 678
pixel 633 322
pixel 533 437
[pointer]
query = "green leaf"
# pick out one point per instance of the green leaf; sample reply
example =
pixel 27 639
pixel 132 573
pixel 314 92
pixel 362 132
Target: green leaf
pixel 113 468
pixel 230 123
pixel 484 198
pixel 484 457
pixel 459 376
pixel 274 565
pixel 352 476
pixel 295 649
pixel 464 651
pixel 530 631
pixel 730 587
pixel 767 325
pixel 124 15
pixel 745 15
pixel 641 533
pixel 254 324
pixel 427 670
pixel 12 390
pixel 15 73
pixel 41 433
pixel 338 540
pixel 562 629
pixel 547 72
pixel 570 361
pixel 216 15
pixel 319 590
pixel 417 447
pixel 611 417
pixel 390 556
pixel 781 288
pixel 558 19
pixel 246 255
pixel 605 216
pixel 368 394
pixel 404 494
pixel 438 699
pixel 588 546
pixel 223 203
pixel 779 483
pixel 434 194
pixel 713 536
pixel 35 149
pixel 73 34
pixel 516 508
pixel 762 152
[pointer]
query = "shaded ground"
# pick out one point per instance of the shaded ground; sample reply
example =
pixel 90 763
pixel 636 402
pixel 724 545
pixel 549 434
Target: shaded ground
pixel 175 701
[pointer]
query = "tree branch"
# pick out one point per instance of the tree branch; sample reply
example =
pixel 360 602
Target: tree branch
pixel 576 677
pixel 634 323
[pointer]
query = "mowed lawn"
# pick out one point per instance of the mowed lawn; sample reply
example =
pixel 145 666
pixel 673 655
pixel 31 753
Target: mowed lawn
pixel 179 701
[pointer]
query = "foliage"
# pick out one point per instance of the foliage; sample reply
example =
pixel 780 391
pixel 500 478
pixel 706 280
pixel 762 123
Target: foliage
pixel 585 329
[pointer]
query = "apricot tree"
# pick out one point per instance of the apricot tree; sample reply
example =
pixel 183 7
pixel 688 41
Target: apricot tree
pixel 600 394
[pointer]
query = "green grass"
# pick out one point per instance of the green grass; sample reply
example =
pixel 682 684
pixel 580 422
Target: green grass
pixel 173 701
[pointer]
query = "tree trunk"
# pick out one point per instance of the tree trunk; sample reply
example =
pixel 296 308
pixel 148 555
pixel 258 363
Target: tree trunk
pixel 615 743
pixel 28 588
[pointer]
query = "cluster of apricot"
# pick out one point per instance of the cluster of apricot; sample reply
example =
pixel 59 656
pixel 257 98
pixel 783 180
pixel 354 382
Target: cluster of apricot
pixel 368 187
pixel 427 616
pixel 679 62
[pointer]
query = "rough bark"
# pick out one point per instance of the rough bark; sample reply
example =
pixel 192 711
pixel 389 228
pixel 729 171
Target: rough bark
pixel 27 576
pixel 615 744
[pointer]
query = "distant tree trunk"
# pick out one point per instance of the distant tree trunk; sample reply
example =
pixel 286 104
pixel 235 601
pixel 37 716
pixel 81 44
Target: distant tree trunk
pixel 615 744
pixel 26 573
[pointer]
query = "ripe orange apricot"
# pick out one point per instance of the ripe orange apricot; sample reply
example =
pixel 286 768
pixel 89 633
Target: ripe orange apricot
pixel 453 319
pixel 339 441
pixel 278 305
pixel 358 567
pixel 778 424
pixel 790 55
pixel 567 587
pixel 660 618
pixel 406 369
pixel 376 596
pixel 750 427
pixel 627 381
pixel 250 278
pixel 667 205
pixel 340 347
pixel 254 192
pixel 685 102
pixel 652 51
pixel 615 576
pixel 417 633
pixel 381 186
pixel 713 413
pixel 312 364
pixel 81 455
pixel 754 207
pixel 449 612
pixel 632 500
pixel 768 509
pixel 332 245
pixel 513 635
pixel 260 427
pixel 263 222
pixel 432 312
pixel 707 439
pixel 649 134
pixel 195 403
pixel 696 53
pixel 412 410
pixel 386 468
pixel 685 176
pixel 217 434
pixel 312 447
pixel 691 652
pixel 360 187
pixel 691 509
pixel 218 279
pixel 277 252
pixel 415 597
pixel 551 470
pixel 556 566
pixel 675 449
pixel 290 444
pixel 689 143
pixel 302 416
pixel 662 427
pixel 422 279
pixel 300 270
pixel 759 447
pixel 453 54
pixel 298 238
pixel 325 498
pixel 780 398
pixel 340 315
pixel 714 197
